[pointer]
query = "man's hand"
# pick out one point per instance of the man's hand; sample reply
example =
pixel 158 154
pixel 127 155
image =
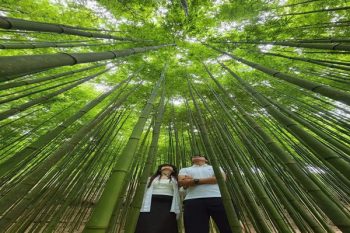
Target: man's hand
pixel 186 181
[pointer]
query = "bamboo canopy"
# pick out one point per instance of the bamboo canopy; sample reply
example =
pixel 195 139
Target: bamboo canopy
pixel 95 94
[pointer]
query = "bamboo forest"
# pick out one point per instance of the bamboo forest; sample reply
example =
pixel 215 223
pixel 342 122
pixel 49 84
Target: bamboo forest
pixel 95 94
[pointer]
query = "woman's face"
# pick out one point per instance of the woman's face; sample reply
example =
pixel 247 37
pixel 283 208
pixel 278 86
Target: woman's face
pixel 168 168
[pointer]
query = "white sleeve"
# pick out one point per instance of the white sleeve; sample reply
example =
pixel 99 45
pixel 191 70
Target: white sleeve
pixel 183 172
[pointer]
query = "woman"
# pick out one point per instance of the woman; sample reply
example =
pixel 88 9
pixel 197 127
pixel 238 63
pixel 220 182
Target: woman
pixel 161 202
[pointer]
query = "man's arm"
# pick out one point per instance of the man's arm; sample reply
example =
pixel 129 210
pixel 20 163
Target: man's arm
pixel 209 180
pixel 183 180
pixel 187 181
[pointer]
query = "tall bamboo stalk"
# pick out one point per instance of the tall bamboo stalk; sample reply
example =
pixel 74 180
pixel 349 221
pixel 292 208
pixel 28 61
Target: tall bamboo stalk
pixel 42 99
pixel 33 63
pixel 318 62
pixel 103 211
pixel 30 181
pixel 46 45
pixel 315 45
pixel 324 201
pixel 321 151
pixel 38 144
pixel 138 198
pixel 261 194
pixel 319 11
pixel 315 87
pixel 230 211
pixel 10 85
pixel 20 24
pixel 317 131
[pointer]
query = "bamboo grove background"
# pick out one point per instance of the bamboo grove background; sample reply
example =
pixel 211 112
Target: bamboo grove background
pixel 95 94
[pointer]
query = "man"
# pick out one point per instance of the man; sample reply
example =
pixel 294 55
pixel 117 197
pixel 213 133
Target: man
pixel 203 198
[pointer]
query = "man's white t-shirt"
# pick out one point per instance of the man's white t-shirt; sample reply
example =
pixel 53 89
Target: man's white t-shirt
pixel 203 190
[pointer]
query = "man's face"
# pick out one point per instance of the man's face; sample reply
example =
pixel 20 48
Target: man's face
pixel 198 159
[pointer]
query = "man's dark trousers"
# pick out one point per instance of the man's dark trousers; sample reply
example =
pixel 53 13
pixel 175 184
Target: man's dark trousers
pixel 198 211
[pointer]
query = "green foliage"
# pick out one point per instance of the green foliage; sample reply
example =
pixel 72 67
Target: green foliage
pixel 240 27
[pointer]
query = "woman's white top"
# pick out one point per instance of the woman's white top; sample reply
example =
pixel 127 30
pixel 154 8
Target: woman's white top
pixel 163 188
pixel 203 190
